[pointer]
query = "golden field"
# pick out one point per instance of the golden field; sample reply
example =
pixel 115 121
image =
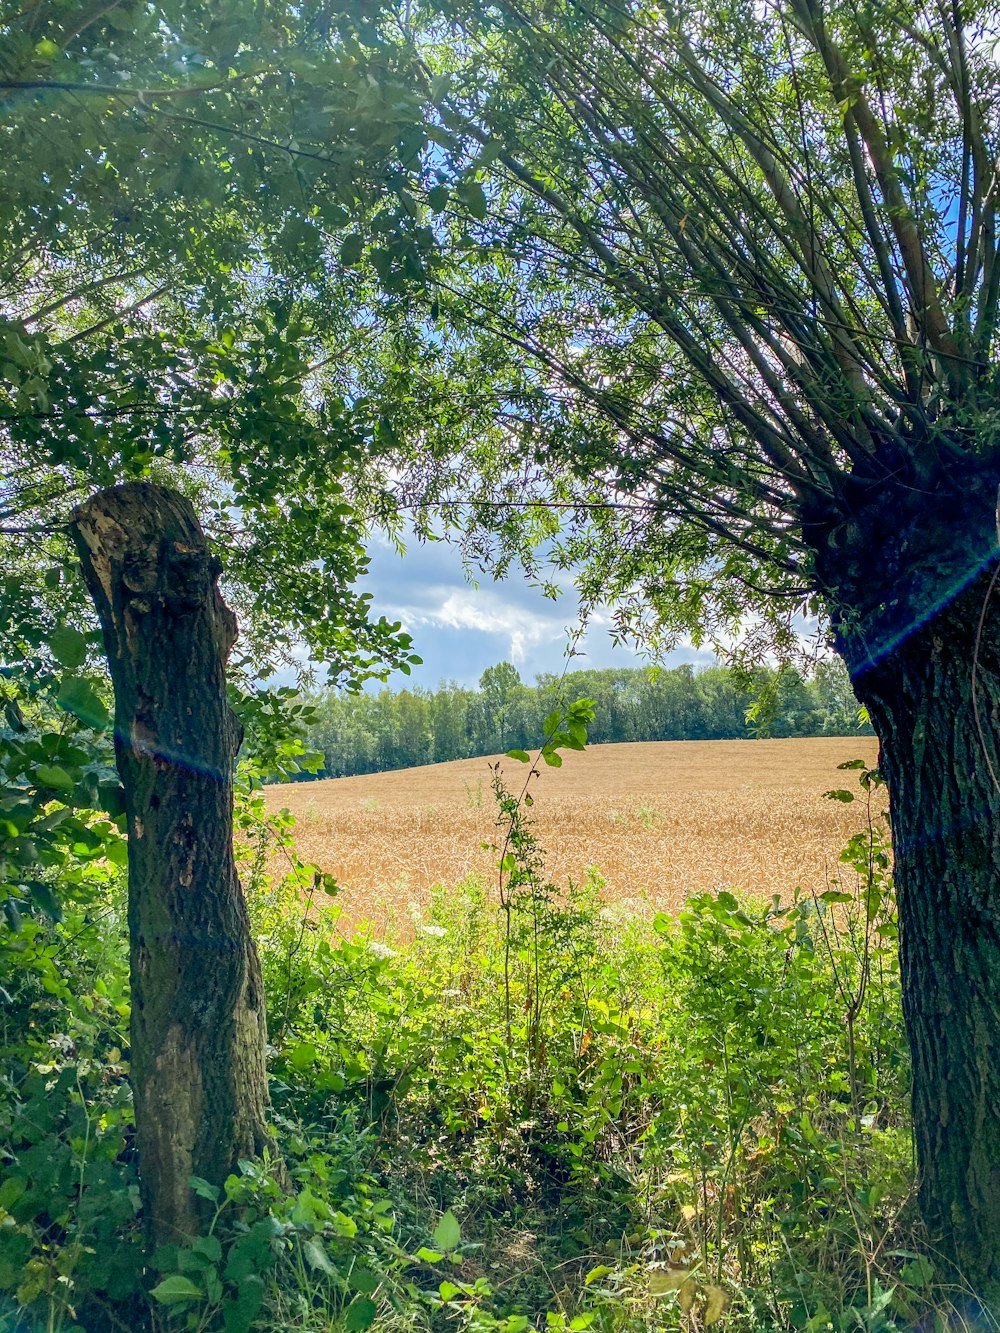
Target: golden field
pixel 659 819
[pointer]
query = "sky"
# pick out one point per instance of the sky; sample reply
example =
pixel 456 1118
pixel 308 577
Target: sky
pixel 459 630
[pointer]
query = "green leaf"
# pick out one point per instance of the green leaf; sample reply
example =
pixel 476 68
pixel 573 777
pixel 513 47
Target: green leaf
pixel 364 1280
pixel 69 647
pixel 208 1246
pixel 918 1272
pixel 474 198
pixel 317 1257
pixel 835 896
pixel 595 1274
pixel 52 775
pixel 204 1189
pixel 303 1056
pixel 522 755
pixel 11 1190
pixel 238 1315
pixel 551 724
pixel 250 1254
pixel 78 696
pixel 176 1288
pixel 308 1210
pixel 845 796
pixel 351 250
pixel 447 1234
pixel 15 718
pixel 448 1291
pixel 117 853
pixel 360 1314
pixel 45 899
pixel 552 759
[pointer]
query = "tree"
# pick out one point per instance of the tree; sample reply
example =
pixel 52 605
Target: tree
pixel 723 705
pixel 837 702
pixel 795 705
pixel 449 712
pixel 412 742
pixel 197 1032
pixel 728 297
pixel 499 685
pixel 171 172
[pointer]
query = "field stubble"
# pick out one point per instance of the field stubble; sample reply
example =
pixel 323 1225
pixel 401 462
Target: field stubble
pixel 659 820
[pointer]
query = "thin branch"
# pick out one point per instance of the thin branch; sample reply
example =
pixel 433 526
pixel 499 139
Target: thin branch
pixel 79 293
pixel 114 90
pixel 117 315
pixel 849 92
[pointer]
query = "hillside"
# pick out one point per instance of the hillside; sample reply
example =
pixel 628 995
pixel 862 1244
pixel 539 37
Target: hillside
pixel 662 819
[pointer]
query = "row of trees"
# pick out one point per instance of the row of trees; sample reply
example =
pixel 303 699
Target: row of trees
pixel 367 733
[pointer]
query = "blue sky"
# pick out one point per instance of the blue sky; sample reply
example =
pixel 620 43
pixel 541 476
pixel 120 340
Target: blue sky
pixel 459 630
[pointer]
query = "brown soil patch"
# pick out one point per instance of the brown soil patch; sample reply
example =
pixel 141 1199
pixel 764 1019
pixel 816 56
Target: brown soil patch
pixel 659 819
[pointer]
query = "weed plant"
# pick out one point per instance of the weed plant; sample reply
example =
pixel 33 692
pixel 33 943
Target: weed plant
pixel 541 1113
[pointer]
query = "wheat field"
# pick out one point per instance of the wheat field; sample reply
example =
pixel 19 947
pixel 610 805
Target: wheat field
pixel 660 820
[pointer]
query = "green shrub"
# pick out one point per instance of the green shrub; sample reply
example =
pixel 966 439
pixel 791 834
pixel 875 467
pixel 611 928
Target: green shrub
pixel 541 1111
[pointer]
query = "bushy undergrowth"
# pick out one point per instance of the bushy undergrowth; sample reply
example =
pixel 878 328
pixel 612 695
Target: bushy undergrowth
pixel 547 1113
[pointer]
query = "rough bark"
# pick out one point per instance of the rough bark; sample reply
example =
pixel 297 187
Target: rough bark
pixel 197 1027
pixel 917 618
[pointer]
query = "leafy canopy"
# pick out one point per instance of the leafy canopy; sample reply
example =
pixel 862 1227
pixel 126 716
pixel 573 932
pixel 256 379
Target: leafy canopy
pixel 177 176
pixel 720 279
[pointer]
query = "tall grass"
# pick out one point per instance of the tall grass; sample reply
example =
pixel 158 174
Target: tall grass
pixel 640 1123
pixel 555 1111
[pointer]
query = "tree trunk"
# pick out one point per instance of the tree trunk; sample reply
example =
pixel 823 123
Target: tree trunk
pixel 197 1035
pixel 920 631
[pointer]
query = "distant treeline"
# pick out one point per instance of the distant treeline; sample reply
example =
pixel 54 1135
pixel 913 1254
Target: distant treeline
pixel 367 733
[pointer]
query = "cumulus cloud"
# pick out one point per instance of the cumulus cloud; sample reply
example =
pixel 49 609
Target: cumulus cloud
pixel 460 629
pixel 488 611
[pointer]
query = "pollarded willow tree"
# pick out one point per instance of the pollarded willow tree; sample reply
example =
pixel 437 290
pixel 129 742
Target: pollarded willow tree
pixel 735 273
pixel 174 174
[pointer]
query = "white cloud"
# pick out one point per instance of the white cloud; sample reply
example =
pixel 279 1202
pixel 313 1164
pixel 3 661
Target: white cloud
pixel 485 611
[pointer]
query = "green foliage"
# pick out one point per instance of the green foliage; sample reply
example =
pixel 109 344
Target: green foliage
pixel 69 1195
pixel 60 801
pixel 542 1114
pixel 170 181
pixel 499 687
pixel 709 1110
pixel 364 733
pixel 698 391
pixel 534 921
pixel 546 1111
